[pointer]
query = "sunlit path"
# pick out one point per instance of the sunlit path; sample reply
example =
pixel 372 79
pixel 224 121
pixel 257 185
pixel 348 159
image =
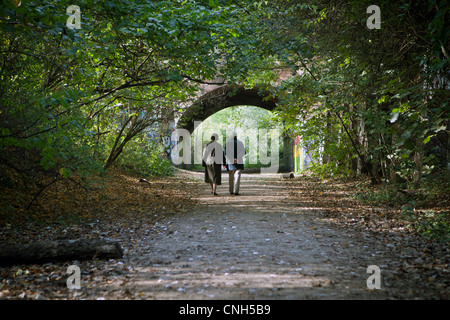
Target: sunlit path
pixel 262 244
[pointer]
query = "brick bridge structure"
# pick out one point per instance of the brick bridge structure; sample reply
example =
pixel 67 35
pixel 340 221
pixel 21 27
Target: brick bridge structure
pixel 213 98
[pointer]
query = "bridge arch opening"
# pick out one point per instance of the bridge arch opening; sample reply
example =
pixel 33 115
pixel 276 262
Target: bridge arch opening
pixel 256 127
pixel 219 98
pixel 225 99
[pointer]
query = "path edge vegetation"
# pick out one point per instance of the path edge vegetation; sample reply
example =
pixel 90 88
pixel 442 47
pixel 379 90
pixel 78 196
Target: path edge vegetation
pixel 365 102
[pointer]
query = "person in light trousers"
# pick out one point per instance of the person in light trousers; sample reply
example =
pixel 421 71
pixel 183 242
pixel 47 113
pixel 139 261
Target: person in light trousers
pixel 234 155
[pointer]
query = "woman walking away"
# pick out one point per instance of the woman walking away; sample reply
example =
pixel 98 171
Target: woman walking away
pixel 213 160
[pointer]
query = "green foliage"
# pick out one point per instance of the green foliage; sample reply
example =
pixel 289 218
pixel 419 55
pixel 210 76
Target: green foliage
pixel 75 101
pixel 385 195
pixel 241 117
pixel 247 121
pixel 413 207
pixel 378 96
pixel 66 94
pixel 429 222
pixel 146 158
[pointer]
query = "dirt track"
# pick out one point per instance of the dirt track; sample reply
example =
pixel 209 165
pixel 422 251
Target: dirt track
pixel 264 244
pixel 277 240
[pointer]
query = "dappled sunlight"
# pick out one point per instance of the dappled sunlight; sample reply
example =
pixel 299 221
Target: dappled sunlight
pixel 103 104
pixel 178 280
pixel 262 196
pixel 330 200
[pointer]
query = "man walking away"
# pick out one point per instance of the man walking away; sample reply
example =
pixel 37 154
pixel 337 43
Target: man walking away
pixel 234 154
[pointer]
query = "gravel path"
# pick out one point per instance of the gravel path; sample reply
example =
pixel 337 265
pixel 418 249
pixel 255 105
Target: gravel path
pixel 257 246
pixel 274 241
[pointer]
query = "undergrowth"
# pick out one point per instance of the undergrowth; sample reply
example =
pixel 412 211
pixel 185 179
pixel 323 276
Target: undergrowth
pixel 424 206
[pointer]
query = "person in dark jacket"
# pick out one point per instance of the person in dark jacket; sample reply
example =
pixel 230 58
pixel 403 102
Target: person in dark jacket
pixel 213 159
pixel 234 155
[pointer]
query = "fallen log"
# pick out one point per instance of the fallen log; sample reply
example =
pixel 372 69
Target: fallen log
pixel 59 251
pixel 408 193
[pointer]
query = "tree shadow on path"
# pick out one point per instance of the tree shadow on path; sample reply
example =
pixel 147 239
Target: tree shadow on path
pixel 270 243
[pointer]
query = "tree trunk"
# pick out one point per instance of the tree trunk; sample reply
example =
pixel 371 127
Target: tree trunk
pixel 287 153
pixel 114 152
pixel 325 156
pixel 394 161
pixel 418 160
pixel 363 142
pixel 59 251
pixel 447 151
pixel 375 179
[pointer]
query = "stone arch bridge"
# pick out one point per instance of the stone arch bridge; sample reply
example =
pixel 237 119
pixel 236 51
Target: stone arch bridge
pixel 216 98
